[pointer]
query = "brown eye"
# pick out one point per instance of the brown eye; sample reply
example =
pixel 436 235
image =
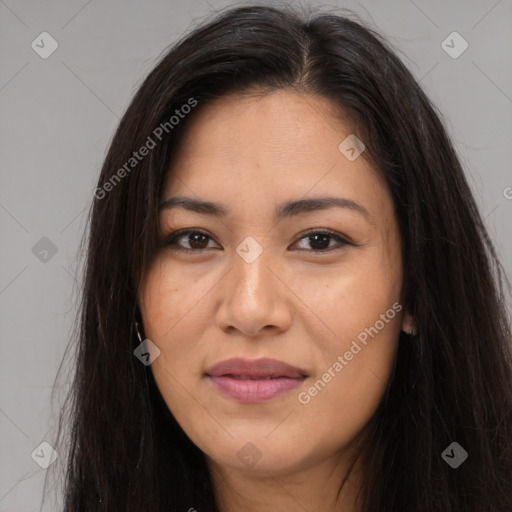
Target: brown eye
pixel 319 240
pixel 316 240
pixel 197 240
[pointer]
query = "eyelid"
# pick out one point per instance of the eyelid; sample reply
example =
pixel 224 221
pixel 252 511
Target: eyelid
pixel 169 240
pixel 342 239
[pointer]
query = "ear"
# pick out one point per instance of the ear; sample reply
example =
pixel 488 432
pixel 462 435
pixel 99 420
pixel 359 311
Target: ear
pixel 407 323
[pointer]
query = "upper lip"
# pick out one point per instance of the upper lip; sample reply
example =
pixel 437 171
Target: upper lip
pixel 264 367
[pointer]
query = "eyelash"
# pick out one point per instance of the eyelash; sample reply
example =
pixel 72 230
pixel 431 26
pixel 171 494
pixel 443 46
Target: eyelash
pixel 170 241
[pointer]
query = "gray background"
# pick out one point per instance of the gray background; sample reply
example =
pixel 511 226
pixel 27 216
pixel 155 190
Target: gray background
pixel 59 114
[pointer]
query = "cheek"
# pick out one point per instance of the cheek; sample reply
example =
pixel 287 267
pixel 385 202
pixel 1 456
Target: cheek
pixel 174 318
pixel 357 341
pixel 337 306
pixel 168 298
pixel 343 395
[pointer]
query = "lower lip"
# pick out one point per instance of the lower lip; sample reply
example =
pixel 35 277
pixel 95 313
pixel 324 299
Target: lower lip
pixel 254 391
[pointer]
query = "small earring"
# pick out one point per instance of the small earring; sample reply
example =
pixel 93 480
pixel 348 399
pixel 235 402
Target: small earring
pixel 410 333
pixel 137 329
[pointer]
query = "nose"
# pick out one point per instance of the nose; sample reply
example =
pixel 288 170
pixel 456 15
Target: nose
pixel 253 298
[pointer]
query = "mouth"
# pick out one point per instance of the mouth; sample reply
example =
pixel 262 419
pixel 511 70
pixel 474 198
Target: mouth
pixel 254 381
pixel 248 377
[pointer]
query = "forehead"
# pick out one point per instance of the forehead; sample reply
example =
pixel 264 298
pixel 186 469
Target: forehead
pixel 237 126
pixel 270 147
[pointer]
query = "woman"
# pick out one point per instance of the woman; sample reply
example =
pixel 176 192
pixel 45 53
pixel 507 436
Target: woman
pixel 291 301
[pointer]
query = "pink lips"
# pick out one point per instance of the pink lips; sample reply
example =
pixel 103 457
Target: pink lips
pixel 256 380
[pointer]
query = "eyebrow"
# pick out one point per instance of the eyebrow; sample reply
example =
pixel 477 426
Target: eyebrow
pixel 284 210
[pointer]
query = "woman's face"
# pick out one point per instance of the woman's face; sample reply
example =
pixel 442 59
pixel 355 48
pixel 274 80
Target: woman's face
pixel 262 279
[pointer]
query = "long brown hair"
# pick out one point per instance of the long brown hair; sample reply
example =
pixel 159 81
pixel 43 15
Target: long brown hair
pixel 451 383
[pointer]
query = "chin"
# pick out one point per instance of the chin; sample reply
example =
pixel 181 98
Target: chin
pixel 256 454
